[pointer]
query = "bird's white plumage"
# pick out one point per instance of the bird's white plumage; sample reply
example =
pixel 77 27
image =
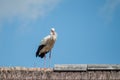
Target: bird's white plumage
pixel 48 42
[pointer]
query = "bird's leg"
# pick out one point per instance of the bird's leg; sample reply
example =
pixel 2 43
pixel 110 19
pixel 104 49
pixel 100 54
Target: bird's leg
pixel 45 61
pixel 49 57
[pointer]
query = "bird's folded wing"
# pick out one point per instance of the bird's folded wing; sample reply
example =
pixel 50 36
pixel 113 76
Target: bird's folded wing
pixel 45 40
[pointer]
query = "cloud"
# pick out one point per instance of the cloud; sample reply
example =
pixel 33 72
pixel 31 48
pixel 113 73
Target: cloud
pixel 108 9
pixel 25 9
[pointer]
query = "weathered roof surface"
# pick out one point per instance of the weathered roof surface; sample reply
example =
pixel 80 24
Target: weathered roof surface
pixel 25 69
pixel 64 72
pixel 85 67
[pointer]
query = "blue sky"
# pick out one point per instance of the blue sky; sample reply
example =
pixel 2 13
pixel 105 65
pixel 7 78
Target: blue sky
pixel 88 31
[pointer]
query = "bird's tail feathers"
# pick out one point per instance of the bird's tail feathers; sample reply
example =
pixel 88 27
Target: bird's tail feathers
pixel 38 50
pixel 42 55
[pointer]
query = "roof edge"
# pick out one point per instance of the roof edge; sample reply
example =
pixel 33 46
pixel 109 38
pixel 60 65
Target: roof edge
pixel 85 67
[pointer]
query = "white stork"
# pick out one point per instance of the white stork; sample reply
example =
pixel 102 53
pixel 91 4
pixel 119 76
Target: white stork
pixel 46 45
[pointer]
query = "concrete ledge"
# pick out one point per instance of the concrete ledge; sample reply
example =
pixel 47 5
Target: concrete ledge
pixel 70 67
pixel 103 67
pixel 85 67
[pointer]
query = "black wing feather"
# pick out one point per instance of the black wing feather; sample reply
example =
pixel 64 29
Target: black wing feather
pixel 38 50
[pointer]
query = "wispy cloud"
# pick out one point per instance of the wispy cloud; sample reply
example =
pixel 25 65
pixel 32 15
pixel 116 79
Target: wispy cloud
pixel 108 9
pixel 25 9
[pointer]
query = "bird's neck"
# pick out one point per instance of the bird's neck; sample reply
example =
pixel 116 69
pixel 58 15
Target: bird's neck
pixel 53 36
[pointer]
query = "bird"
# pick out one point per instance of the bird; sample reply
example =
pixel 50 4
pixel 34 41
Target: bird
pixel 46 45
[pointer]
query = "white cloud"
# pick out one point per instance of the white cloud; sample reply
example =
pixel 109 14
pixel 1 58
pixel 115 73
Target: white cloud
pixel 108 9
pixel 25 9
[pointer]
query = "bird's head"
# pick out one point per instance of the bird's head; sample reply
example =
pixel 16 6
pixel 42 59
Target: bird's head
pixel 52 31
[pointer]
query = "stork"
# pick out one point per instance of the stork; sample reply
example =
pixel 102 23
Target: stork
pixel 46 45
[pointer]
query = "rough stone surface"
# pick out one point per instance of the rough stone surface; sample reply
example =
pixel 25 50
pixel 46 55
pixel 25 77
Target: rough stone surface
pixel 22 73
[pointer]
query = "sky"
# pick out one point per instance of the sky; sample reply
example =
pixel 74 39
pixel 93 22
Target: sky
pixel 88 31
